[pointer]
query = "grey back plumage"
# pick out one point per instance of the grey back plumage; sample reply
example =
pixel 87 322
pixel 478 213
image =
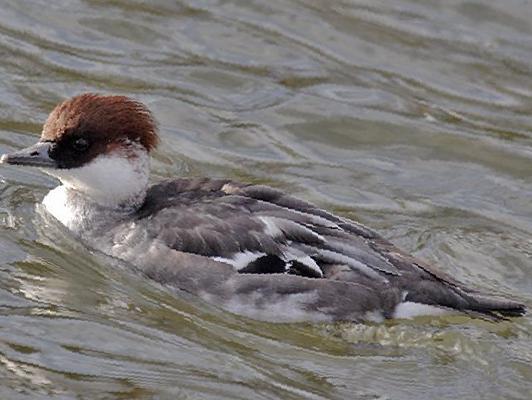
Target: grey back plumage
pixel 277 244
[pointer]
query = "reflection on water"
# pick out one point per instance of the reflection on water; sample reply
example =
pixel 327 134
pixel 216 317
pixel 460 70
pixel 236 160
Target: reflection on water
pixel 413 117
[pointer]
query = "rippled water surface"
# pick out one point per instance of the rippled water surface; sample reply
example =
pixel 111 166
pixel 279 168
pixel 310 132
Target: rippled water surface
pixel 411 116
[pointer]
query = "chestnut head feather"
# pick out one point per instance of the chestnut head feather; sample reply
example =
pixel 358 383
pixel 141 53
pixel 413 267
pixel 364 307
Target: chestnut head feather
pixel 90 124
pixel 97 146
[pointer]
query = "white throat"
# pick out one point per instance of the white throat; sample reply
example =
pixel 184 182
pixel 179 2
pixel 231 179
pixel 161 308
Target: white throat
pixel 113 182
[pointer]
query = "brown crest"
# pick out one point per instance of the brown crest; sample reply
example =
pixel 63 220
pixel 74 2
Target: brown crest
pixel 102 118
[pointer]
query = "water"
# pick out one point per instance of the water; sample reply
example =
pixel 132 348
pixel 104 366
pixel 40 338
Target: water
pixel 411 116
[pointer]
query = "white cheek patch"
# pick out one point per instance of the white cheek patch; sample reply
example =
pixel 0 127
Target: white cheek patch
pixel 111 179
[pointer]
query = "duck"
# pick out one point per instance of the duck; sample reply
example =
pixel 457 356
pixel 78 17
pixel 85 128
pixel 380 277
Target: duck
pixel 249 249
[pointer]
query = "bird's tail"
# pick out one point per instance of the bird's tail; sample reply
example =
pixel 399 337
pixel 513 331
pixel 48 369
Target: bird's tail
pixel 491 305
pixel 457 297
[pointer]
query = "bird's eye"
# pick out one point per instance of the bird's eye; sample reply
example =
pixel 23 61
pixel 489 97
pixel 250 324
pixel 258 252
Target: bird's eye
pixel 80 144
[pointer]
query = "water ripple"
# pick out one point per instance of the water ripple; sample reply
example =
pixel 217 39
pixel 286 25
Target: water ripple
pixel 413 117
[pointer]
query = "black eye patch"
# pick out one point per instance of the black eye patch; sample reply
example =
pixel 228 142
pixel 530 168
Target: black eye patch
pixel 80 144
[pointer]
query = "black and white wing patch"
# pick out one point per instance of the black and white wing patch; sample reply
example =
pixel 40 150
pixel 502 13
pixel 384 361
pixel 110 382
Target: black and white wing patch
pixel 285 258
pixel 260 230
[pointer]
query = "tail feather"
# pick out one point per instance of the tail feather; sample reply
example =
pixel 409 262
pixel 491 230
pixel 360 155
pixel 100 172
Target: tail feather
pixel 458 298
pixel 492 304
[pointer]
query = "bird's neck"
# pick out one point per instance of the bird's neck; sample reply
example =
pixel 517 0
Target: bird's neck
pixel 110 186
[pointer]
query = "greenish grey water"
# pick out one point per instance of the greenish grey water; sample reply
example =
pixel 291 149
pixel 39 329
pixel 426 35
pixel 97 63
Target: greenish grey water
pixel 411 116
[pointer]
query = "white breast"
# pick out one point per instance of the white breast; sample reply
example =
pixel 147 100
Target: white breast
pixel 56 203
